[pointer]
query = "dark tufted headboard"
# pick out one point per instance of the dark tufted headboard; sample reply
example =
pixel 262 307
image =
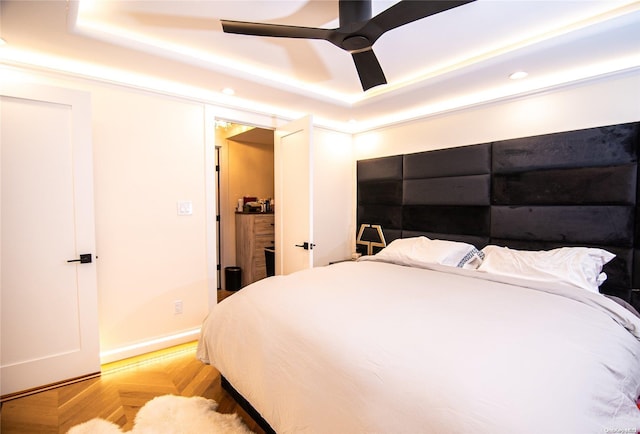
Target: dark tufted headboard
pixel 575 188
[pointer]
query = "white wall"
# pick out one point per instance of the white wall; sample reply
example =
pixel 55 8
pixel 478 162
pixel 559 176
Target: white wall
pixel 334 196
pixel 606 101
pixel 149 153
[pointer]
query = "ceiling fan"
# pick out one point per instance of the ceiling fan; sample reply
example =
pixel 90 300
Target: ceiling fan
pixel 358 30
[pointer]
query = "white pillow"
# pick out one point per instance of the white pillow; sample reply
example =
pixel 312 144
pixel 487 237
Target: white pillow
pixel 420 251
pixel 577 266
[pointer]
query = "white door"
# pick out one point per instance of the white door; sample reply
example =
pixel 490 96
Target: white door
pixel 293 196
pixel 49 322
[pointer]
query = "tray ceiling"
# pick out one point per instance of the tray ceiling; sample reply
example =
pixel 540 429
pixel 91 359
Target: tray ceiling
pixel 454 59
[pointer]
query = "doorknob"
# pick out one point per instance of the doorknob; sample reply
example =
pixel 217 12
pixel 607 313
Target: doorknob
pixel 306 245
pixel 85 258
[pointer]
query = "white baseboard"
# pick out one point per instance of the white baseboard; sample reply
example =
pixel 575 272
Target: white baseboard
pixel 144 347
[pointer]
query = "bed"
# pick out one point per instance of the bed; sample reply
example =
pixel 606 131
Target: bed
pixel 487 313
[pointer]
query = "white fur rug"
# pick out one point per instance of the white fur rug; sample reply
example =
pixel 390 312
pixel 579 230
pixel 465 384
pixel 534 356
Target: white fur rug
pixel 172 414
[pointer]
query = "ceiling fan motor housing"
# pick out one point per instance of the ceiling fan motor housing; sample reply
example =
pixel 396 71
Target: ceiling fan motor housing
pixel 354 11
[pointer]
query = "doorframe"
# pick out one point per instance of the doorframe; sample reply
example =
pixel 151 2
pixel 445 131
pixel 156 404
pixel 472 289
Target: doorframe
pixel 211 115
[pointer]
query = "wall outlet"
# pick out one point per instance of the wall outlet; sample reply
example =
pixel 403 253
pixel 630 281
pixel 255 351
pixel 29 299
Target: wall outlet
pixel 185 207
pixel 177 307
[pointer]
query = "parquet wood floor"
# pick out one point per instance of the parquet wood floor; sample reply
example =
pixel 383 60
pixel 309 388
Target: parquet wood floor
pixel 119 393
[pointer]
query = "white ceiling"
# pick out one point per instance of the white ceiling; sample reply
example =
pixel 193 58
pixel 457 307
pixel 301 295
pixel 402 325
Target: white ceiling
pixel 454 59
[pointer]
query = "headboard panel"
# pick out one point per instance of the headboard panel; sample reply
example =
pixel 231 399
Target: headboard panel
pixel 380 194
pixel 447 192
pixel 562 189
pixel 444 163
pixel 603 146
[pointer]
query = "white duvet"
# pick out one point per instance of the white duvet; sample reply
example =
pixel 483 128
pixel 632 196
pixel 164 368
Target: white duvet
pixel 370 347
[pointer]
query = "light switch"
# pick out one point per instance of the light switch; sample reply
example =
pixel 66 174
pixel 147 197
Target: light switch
pixel 185 207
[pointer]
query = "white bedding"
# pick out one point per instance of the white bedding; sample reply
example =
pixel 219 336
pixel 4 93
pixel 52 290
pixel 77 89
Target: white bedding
pixel 371 347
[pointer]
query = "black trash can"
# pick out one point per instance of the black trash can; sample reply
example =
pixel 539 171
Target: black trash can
pixel 233 278
pixel 270 260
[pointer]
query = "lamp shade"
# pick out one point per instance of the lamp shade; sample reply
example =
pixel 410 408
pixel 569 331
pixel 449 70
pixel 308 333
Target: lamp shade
pixel 370 236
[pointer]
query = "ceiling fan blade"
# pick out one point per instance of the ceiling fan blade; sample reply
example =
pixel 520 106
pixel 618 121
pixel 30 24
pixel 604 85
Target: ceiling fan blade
pixel 405 12
pixel 275 30
pixel 369 69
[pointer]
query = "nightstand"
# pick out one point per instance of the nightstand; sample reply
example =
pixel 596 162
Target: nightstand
pixel 352 258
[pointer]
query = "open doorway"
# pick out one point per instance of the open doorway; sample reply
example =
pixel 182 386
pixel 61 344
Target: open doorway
pixel 245 168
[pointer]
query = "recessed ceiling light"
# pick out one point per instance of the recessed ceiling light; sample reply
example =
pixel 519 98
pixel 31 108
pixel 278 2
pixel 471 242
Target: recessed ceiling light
pixel 518 75
pixel 228 91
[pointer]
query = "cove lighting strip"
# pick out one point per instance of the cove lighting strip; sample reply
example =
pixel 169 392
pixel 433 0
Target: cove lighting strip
pixel 149 343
